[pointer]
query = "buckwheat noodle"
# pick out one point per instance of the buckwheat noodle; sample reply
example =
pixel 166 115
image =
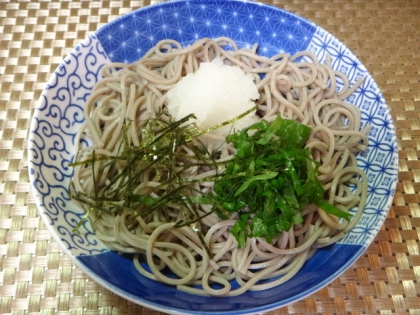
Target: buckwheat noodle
pixel 298 87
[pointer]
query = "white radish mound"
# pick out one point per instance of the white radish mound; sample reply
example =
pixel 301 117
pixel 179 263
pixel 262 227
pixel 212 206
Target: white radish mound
pixel 215 93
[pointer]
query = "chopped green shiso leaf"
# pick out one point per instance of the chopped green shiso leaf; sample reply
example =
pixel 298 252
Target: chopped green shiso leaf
pixel 269 181
pixel 273 178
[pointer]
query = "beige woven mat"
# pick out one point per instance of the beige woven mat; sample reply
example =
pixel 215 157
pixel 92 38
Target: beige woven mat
pixel 36 278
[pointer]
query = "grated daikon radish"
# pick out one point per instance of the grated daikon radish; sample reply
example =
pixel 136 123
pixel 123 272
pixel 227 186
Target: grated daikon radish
pixel 215 93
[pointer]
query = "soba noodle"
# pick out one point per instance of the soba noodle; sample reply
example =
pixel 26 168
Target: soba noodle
pixel 305 90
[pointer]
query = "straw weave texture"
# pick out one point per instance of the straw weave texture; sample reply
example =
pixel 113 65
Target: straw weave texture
pixel 37 278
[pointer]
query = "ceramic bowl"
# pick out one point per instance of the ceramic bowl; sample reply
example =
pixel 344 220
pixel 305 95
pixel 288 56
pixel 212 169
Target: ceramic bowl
pixel 59 115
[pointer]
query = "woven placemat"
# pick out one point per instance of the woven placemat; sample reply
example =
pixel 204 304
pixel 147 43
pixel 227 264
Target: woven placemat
pixel 37 278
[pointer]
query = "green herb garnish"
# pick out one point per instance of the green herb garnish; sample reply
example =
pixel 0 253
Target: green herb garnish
pixel 272 178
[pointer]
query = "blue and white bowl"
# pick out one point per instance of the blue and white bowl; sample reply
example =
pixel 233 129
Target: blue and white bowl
pixel 59 115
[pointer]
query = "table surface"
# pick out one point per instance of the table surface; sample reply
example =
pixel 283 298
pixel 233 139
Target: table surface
pixel 37 278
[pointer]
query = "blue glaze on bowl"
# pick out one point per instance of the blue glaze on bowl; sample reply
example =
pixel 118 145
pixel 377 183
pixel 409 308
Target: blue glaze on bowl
pixel 59 115
pixel 130 37
pixel 314 275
